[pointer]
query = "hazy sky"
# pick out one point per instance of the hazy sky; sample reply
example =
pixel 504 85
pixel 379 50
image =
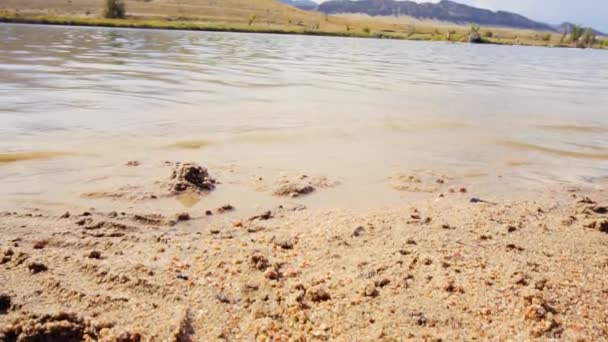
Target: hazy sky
pixel 587 12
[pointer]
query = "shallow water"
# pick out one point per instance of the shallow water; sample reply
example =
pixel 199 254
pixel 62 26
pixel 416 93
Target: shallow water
pixel 352 109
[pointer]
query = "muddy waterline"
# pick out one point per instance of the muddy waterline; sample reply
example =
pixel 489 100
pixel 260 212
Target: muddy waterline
pixel 77 103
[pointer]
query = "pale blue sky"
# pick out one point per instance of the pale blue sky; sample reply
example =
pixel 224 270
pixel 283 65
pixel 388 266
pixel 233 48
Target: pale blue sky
pixel 586 12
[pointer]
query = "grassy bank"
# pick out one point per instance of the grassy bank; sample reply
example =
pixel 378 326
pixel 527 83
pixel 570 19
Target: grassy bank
pixel 369 28
pixel 183 25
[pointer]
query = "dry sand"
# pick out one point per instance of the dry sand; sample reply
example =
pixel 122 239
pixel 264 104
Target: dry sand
pixel 448 266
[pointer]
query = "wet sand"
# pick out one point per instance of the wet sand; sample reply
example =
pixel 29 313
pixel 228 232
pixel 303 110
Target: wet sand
pixel 445 264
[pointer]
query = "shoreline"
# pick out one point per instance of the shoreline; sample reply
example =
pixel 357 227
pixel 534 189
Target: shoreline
pixel 133 23
pixel 447 267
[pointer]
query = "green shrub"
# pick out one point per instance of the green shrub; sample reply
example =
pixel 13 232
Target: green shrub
pixel 475 28
pixel 252 19
pixel 114 9
pixel 489 34
pixel 588 38
pixel 366 29
pixel 546 37
pixel 576 33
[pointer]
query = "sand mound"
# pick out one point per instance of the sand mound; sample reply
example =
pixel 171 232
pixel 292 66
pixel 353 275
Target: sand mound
pixel 50 327
pixel 190 176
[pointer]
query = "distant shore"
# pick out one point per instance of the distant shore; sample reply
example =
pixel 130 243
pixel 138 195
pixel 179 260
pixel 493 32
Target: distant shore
pixel 136 23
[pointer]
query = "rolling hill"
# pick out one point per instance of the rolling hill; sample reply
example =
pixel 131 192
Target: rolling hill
pixel 229 11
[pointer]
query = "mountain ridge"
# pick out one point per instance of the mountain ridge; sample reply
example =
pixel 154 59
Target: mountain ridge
pixel 445 10
pixel 306 5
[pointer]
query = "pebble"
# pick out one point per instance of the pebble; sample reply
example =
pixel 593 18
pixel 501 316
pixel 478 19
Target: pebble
pixel 94 255
pixel 5 303
pixel 272 275
pixel 37 267
pixel 370 291
pixel 284 242
pixel 40 244
pixel 225 208
pixel 358 231
pixel 183 217
pixel 319 295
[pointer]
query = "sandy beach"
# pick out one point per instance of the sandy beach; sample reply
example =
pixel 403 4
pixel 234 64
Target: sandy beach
pixel 164 185
pixel 446 265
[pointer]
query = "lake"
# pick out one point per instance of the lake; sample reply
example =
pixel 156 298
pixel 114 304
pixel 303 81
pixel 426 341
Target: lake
pixel 77 103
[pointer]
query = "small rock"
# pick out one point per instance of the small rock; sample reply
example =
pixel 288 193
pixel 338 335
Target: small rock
pixel 370 291
pixel 294 190
pixel 40 244
pixel 65 215
pixel 358 231
pixel 586 200
pixel 84 221
pixel 273 275
pixel 451 288
pixel 411 242
pixel 225 208
pixel 183 217
pixel 259 261
pixel 223 298
pixel 511 229
pixel 37 267
pixel 237 224
pixel 132 163
pixel 208 213
pixel 419 318
pixel 5 303
pixel 182 276
pixel 601 225
pixel 94 255
pixel 319 295
pixel 514 247
pixel 262 217
pixel 284 242
pixel 382 282
pixel 541 284
pixel 127 336
pixel 113 214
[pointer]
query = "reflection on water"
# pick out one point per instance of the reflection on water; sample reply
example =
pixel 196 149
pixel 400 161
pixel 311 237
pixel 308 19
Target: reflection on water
pixel 190 144
pixel 189 199
pixel 554 151
pixel 575 128
pixel 22 156
pixel 334 106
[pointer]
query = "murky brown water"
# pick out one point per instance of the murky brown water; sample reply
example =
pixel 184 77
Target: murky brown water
pixel 76 103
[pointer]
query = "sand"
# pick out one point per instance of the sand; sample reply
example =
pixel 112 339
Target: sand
pixel 444 266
